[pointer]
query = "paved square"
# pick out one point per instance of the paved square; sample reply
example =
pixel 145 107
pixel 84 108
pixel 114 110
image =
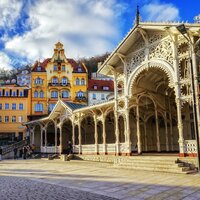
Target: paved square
pixel 44 179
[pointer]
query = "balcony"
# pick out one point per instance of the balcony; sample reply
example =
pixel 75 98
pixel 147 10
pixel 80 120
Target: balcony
pixel 59 84
pixel 82 99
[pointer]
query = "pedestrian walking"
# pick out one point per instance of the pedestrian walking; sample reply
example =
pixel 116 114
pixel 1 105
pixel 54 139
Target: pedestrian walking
pixel 25 152
pixel 15 153
pixel 69 148
pixel 1 153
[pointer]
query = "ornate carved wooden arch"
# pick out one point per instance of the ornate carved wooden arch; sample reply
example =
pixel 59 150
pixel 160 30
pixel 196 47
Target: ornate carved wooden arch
pixel 158 63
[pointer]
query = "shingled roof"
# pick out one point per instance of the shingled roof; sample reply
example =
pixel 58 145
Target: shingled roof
pixel 40 64
pixel 100 85
pixel 74 106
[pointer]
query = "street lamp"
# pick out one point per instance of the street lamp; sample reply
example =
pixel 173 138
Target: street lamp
pixel 182 29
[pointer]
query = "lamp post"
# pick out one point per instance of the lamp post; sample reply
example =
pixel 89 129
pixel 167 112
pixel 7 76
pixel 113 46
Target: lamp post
pixel 182 29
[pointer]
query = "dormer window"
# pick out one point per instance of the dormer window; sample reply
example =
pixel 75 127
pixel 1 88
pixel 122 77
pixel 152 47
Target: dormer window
pixel 79 69
pixel 39 68
pixel 105 88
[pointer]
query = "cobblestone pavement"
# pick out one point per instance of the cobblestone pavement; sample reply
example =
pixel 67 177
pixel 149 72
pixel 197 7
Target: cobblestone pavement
pixel 15 188
pixel 45 179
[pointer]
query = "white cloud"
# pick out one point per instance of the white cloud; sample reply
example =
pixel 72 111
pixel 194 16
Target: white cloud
pixel 157 11
pixel 85 27
pixel 5 61
pixel 9 12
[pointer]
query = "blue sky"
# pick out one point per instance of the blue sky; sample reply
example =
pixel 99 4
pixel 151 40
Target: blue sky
pixel 30 28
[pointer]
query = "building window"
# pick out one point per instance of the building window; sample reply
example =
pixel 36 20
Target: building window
pixel 0 106
pixel 54 94
pixel 36 94
pixel 54 80
pixel 51 106
pixel 14 93
pixel 63 68
pixel 77 81
pixel 41 94
pixel 55 68
pixel 38 107
pixel 80 94
pixel 21 94
pixel 20 118
pixel 6 106
pixel 38 81
pixel 14 106
pixel 102 96
pixel 65 94
pixel 13 118
pixel 64 81
pixel 94 96
pixel 0 119
pixel 21 106
pixel 95 87
pixel 7 93
pixel 105 88
pixel 79 69
pixel 82 81
pixel 39 68
pixel 1 94
pixel 6 118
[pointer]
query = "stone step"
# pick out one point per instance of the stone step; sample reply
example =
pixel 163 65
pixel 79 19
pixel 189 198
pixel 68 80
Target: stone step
pixel 155 169
pixel 171 162
pixel 162 158
pixel 164 165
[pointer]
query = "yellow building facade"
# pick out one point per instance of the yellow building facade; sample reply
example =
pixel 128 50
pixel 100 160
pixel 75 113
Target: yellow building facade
pixel 57 77
pixel 14 109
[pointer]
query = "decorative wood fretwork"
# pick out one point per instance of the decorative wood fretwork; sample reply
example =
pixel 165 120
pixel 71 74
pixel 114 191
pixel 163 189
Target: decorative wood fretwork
pixel 162 50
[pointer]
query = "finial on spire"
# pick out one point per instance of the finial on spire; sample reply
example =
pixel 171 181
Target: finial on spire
pixel 137 18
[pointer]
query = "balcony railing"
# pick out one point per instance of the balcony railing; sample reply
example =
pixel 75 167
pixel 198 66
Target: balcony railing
pixel 59 84
pixel 84 99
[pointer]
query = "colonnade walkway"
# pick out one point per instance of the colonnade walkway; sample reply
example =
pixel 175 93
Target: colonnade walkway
pixel 95 178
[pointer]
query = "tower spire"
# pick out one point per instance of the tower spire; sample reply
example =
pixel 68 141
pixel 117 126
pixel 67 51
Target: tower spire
pixel 137 17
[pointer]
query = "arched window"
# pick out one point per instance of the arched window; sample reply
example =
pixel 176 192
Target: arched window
pixel 80 94
pixel 41 94
pixel 54 94
pixel 54 80
pixel 64 81
pixel 77 81
pixel 14 93
pixel 82 81
pixel 38 107
pixel 36 94
pixel 38 81
pixel 65 94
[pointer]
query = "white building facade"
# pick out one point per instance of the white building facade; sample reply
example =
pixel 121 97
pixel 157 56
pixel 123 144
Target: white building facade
pixel 100 91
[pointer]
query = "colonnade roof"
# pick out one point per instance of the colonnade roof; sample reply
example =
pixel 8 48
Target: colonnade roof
pixel 70 108
pixel 132 36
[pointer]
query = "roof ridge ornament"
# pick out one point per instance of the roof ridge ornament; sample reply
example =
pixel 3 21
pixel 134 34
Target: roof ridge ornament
pixel 137 17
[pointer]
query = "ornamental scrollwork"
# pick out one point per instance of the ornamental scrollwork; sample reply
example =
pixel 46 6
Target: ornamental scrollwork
pixel 135 61
pixel 156 37
pixel 162 50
